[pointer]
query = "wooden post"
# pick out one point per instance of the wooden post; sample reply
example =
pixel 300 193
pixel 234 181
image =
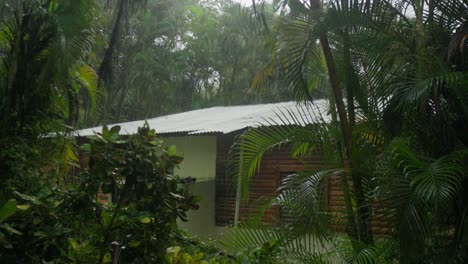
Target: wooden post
pixel 239 186
pixel 238 200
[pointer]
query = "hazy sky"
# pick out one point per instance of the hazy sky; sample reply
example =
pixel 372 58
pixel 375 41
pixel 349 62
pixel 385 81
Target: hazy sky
pixel 245 2
pixel 248 2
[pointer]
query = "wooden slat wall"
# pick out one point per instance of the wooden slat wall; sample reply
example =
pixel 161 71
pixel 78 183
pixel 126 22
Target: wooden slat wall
pixel 225 203
pixel 263 185
pixel 266 182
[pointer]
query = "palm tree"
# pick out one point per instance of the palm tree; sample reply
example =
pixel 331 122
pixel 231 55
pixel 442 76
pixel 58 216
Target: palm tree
pixel 400 95
pixel 44 79
pixel 44 46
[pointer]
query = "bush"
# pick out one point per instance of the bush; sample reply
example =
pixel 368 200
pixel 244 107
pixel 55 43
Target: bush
pixel 67 223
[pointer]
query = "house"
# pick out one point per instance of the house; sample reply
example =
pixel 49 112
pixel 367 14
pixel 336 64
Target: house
pixel 205 136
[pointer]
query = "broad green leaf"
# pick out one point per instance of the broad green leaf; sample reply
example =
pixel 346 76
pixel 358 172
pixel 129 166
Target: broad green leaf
pixel 145 220
pixel 105 133
pixel 88 79
pixel 53 5
pixel 172 150
pixel 107 258
pixel 187 258
pixel 70 153
pixel 199 256
pixel 40 234
pixel 10 229
pixel 28 198
pixel 106 217
pixel 114 129
pixel 153 142
pixel 7 210
pixel 134 243
pixel 73 243
pixel 57 203
pixel 174 250
pixel 177 196
pixel 86 147
pixel 23 207
pixel 114 134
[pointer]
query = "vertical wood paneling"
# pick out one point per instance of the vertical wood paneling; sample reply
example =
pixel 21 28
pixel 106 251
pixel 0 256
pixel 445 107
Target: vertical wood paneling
pixel 265 183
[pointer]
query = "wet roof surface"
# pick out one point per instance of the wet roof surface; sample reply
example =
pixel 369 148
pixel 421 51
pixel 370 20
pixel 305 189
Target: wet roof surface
pixel 226 119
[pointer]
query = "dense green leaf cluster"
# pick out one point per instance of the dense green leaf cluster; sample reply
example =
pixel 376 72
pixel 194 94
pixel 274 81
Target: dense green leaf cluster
pixel 181 55
pixel 395 76
pixel 395 133
pixel 71 223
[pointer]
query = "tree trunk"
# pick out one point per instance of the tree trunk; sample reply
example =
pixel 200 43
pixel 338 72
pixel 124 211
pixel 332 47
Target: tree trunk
pixel 351 227
pixel 363 228
pixel 363 206
pixel 335 86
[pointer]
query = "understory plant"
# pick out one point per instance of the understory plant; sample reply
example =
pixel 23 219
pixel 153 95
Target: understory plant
pixel 121 207
pixel 392 133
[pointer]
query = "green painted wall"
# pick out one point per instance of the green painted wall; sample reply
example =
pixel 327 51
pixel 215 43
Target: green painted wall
pixel 199 155
pixel 199 162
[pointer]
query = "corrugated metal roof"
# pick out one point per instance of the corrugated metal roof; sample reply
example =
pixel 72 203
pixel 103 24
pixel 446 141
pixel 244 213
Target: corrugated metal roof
pixel 226 119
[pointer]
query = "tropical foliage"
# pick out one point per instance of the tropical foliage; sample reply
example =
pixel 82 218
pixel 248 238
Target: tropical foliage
pixel 71 223
pixel 44 47
pixel 175 56
pixel 392 76
pixel 396 85
pixel 74 63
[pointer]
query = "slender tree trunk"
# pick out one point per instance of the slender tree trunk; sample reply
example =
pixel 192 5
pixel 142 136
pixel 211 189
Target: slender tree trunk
pixel 351 227
pixel 363 228
pixel 106 69
pixel 420 46
pixel 363 205
pixel 231 85
pixel 350 82
pixel 337 94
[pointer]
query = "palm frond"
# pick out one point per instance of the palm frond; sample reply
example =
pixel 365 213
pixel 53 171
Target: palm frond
pixel 450 14
pixel 277 243
pixel 305 126
pixel 88 79
pixel 438 181
pixel 302 196
pixel 411 192
pixel 245 238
